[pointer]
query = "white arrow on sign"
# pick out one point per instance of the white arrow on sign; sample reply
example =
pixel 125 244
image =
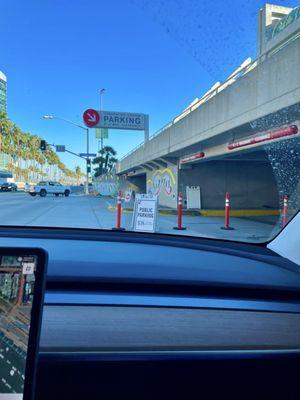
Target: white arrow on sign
pixel 92 118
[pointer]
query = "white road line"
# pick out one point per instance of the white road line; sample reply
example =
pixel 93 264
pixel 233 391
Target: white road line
pixel 41 215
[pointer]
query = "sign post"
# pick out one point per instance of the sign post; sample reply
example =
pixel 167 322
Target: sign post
pixel 145 213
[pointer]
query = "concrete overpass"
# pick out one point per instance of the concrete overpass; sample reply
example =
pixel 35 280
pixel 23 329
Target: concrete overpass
pixel 237 122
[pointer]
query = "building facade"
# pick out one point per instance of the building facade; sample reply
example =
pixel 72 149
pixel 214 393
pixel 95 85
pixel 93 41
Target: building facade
pixel 3 108
pixel 277 26
pixel 3 92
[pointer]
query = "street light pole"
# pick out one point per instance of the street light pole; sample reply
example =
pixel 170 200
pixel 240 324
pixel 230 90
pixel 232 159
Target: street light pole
pixel 87 144
pixel 101 93
pixel 87 161
pixel 101 104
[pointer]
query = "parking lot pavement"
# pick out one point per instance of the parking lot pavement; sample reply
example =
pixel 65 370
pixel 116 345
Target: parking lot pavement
pixel 80 211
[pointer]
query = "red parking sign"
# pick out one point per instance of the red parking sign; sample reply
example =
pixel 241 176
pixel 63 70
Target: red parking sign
pixel 91 117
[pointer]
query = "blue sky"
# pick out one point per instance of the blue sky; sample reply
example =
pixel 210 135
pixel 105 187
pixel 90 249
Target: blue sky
pixel 151 56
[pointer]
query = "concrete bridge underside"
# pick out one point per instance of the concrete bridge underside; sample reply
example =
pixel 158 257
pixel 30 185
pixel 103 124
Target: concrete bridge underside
pixel 266 98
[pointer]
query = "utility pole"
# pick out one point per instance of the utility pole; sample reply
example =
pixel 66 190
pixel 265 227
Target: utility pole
pixel 88 165
pixel 101 105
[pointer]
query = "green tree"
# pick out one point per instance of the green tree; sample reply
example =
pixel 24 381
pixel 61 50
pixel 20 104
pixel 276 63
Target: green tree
pixel 105 161
pixel 78 174
pixel 26 160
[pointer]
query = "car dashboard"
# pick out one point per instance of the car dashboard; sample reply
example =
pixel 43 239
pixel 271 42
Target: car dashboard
pixel 130 308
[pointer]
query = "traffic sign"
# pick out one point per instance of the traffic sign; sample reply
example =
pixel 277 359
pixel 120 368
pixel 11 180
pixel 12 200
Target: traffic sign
pixel 97 133
pixel 101 133
pixel 60 148
pixel 104 133
pixel 91 117
pixel 122 120
pixel 145 213
pixel 87 155
pixel 128 195
pixel 115 120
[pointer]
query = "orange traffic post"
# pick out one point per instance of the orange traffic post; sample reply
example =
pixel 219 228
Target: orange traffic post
pixel 227 213
pixel 119 213
pixel 179 226
pixel 285 209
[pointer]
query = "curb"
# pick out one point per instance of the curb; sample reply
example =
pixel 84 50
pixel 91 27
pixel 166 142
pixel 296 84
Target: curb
pixel 240 213
pixel 210 213
pixel 124 210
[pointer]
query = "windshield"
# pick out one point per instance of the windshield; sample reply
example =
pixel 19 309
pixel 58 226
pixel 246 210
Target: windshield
pixel 176 117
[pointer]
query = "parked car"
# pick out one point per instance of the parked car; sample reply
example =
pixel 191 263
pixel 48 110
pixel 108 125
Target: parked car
pixel 49 187
pixel 8 187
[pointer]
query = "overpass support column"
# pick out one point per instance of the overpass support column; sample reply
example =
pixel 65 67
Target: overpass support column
pixel 163 182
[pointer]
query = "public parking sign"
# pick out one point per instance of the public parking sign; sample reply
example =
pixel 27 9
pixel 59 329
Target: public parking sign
pixel 145 213
pixel 122 120
pixel 91 117
pixel 115 120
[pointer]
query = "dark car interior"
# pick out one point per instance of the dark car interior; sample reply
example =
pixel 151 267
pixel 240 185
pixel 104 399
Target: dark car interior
pixel 219 320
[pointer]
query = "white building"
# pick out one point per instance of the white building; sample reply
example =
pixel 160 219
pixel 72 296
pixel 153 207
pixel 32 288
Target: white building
pixel 3 92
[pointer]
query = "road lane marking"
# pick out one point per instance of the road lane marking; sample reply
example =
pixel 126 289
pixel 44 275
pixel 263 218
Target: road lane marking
pixel 42 214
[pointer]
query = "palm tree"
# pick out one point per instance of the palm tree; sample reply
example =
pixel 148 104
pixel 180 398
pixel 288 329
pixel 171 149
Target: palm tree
pixel 6 130
pixel 17 141
pixel 78 174
pixel 26 154
pixel 26 160
pixel 106 160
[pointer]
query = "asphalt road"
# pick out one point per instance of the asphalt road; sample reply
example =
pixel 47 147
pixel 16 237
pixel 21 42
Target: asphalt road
pixel 75 211
pixel 80 211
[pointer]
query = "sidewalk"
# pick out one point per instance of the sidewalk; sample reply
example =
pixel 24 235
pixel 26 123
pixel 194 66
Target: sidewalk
pixel 244 229
pixel 249 229
pixel 255 214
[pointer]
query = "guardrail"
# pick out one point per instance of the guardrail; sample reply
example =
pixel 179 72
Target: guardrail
pixel 238 74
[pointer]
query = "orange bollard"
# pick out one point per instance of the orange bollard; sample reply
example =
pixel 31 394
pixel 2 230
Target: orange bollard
pixel 119 212
pixel 227 213
pixel 179 226
pixel 285 209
